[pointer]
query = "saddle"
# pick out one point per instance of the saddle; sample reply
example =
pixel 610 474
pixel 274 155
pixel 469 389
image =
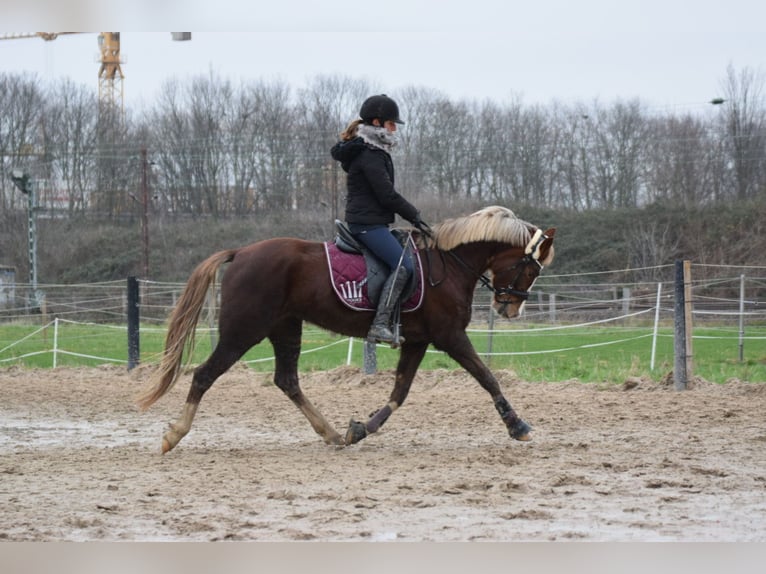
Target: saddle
pixel 357 275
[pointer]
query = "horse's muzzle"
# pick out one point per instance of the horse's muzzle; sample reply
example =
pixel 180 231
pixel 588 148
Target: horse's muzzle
pixel 507 309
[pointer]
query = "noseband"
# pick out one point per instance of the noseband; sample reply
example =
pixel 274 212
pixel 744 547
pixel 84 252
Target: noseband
pixel 531 255
pixel 521 265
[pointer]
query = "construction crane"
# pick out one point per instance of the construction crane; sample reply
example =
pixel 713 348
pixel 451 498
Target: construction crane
pixel 110 75
pixel 111 93
pixel 47 36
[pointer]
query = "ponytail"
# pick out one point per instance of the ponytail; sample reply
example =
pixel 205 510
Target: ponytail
pixel 350 132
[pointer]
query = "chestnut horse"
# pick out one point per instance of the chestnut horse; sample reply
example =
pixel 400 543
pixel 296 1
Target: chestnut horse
pixel 271 287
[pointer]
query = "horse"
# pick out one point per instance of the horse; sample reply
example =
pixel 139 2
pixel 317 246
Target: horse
pixel 271 287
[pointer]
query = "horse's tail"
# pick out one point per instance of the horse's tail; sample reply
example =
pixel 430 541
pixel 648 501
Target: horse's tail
pixel 181 329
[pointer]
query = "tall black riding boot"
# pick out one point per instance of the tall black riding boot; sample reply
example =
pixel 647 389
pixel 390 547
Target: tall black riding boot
pixel 380 330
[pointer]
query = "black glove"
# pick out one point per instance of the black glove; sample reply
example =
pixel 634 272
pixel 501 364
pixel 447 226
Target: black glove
pixel 423 227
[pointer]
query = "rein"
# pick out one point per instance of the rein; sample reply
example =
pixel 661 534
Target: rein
pixel 531 254
pixel 510 290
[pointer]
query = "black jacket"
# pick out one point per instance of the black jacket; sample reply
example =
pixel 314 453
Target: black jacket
pixel 371 196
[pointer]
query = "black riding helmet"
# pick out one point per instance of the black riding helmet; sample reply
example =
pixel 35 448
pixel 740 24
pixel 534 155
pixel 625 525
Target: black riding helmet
pixel 381 107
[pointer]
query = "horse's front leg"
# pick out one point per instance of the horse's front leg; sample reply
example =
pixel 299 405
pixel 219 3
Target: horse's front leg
pixel 461 349
pixel 410 356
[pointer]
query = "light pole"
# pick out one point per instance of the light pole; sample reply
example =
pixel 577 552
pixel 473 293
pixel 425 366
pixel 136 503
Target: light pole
pixel 144 214
pixel 22 181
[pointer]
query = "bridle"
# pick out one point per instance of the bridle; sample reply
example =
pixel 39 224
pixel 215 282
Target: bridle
pixel 531 255
pixel 511 289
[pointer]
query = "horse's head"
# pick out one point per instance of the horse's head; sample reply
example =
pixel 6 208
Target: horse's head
pixel 515 270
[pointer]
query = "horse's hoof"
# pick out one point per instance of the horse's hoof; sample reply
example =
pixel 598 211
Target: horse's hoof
pixel 171 438
pixel 336 440
pixel 356 432
pixel 521 430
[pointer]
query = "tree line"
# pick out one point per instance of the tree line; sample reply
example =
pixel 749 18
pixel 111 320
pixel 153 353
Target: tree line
pixel 216 149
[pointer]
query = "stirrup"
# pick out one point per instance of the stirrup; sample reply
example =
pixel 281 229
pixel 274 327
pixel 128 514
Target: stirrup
pixel 380 334
pixel 386 336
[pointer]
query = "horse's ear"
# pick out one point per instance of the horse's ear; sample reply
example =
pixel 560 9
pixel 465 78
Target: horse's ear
pixel 546 247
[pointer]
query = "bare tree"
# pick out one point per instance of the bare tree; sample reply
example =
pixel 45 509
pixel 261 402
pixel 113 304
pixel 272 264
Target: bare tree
pixel 745 124
pixel 500 141
pixel 273 141
pixel 240 126
pixel 70 144
pixel 651 241
pixel 447 139
pixel 679 161
pixel 21 105
pixel 324 108
pixel 573 168
pixel 620 140
pixel 189 145
pixel 416 106
pixel 536 156
pixel 208 100
pixel 169 125
pixel 221 150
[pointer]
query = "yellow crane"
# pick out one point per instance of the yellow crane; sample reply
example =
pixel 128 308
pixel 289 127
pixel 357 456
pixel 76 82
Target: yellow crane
pixel 111 93
pixel 47 36
pixel 110 75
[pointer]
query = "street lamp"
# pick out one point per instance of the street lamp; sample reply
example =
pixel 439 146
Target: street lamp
pixel 23 182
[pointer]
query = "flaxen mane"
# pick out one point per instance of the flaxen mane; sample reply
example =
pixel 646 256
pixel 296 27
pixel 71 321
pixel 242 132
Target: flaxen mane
pixel 494 223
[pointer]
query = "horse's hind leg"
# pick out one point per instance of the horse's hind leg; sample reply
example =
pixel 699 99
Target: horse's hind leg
pixel 286 340
pixel 219 362
pixel 409 361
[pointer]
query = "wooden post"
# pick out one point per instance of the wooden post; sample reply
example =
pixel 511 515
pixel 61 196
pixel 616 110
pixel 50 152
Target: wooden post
pixel 133 321
pixel 688 319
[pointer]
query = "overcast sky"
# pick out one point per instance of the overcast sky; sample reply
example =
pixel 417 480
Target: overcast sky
pixel 670 54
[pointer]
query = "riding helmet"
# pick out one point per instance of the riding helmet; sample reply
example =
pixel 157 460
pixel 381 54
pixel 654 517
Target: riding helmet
pixel 381 107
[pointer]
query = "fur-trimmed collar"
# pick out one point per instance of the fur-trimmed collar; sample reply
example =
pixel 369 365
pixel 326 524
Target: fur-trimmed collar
pixel 377 136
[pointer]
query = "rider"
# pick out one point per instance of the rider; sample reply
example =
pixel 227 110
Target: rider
pixel 372 201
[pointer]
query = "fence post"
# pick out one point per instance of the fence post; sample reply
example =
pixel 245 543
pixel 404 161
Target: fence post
pixel 55 342
pixel 656 324
pixel 552 307
pixel 211 305
pixel 370 357
pixel 626 300
pixel 741 318
pixel 349 353
pixel 491 329
pixel 688 318
pixel 679 322
pixel 133 320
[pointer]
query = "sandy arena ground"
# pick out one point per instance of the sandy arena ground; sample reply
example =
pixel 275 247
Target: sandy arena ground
pixel 624 462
